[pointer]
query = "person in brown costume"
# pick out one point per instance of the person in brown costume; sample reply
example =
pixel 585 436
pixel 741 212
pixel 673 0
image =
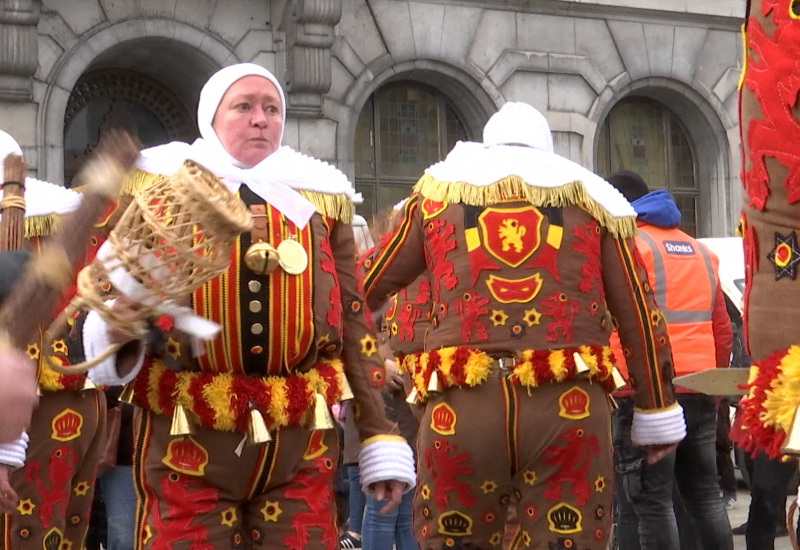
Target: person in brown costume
pixel 532 263
pixel 287 336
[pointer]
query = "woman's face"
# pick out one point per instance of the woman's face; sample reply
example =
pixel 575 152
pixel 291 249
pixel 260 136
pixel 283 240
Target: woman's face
pixel 249 120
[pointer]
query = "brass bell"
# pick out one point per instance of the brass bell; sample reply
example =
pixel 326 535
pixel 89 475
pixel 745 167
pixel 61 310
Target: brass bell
pixel 88 384
pixel 257 431
pixel 791 445
pixel 345 391
pixel 180 422
pixel 127 394
pixel 433 383
pixel 322 416
pixel 581 367
pixel 413 396
pixel 261 257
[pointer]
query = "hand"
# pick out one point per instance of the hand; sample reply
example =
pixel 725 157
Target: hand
pixel 394 380
pixel 391 490
pixel 8 498
pixel 17 393
pixel 657 452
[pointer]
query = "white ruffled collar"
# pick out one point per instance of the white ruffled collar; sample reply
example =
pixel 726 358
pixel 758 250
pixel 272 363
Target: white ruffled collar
pixel 43 198
pixel 478 165
pixel 275 179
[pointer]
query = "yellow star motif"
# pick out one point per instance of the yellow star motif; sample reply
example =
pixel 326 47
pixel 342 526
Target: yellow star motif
pixel 271 511
pixel 656 317
pixel 26 507
pixel 65 545
pixel 488 486
pixel 59 346
pixel 173 348
pixel 425 492
pixel 33 351
pixel 499 317
pixel 81 488
pixel 148 533
pixel 532 317
pixel 526 538
pixel 228 516
pixel 530 477
pixel 600 484
pixel 368 345
pixel 323 341
pixel 496 538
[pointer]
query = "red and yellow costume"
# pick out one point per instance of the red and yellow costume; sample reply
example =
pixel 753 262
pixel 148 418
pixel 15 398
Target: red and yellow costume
pixel 769 123
pixel 529 258
pixel 56 484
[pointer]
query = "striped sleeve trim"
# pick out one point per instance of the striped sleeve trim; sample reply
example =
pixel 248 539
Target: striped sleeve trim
pixel 389 251
pixel 642 312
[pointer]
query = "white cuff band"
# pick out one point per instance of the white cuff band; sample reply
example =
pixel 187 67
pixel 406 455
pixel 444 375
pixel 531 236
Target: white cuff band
pixel 95 341
pixel 386 460
pixel 658 428
pixel 13 453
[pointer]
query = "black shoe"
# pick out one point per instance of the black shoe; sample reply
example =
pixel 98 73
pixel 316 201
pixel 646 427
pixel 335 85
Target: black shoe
pixel 347 541
pixel 741 530
pixel 781 530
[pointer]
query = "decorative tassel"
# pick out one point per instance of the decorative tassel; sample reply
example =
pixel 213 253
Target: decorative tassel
pixel 791 445
pixel 257 431
pixel 127 394
pixel 322 416
pixel 413 396
pixel 581 368
pixel 180 422
pixel 89 385
pixel 433 383
pixel 345 391
pixel 619 381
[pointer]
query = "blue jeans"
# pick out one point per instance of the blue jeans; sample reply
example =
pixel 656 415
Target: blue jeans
pixel 769 480
pixel 356 499
pixel 120 498
pixel 645 491
pixel 394 529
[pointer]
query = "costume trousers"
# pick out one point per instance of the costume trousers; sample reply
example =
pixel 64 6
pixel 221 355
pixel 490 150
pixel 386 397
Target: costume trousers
pixel 210 490
pixel 56 485
pixel 546 450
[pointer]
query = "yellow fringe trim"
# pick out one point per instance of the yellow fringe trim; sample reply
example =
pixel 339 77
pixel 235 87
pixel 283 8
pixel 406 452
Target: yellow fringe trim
pixel 338 207
pixel 514 187
pixel 41 226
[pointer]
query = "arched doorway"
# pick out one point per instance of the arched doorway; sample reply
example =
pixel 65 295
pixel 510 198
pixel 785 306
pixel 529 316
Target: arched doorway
pixel 403 128
pixel 126 99
pixel 643 135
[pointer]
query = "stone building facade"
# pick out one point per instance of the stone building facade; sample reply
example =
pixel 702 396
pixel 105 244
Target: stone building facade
pixel 382 88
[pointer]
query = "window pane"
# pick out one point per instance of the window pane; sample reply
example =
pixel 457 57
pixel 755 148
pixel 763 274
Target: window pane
pixel 364 151
pixel 642 135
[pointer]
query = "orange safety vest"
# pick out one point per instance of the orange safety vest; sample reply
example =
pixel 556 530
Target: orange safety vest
pixel 684 276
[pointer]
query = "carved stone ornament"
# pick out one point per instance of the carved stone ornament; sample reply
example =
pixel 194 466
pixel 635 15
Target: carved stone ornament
pixel 19 49
pixel 309 26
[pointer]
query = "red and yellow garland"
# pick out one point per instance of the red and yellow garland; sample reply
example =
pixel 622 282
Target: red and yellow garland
pixel 466 367
pixel 223 401
pixel 766 414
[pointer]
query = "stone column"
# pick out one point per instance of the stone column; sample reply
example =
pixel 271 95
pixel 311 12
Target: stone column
pixel 309 27
pixel 19 49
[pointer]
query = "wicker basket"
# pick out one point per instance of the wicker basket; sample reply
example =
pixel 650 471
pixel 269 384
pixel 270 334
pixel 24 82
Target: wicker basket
pixel 175 236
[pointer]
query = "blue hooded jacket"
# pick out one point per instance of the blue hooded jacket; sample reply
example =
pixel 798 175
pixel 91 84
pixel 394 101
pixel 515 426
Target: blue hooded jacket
pixel 657 208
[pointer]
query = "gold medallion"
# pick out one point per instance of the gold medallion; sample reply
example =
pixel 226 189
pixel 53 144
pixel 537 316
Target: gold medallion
pixel 261 257
pixel 292 257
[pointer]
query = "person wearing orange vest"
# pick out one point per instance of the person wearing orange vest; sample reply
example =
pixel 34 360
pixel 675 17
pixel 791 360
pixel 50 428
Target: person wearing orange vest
pixel 684 277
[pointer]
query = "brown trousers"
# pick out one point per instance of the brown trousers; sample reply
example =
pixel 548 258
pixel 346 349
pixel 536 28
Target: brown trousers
pixel 196 493
pixel 546 450
pixel 56 485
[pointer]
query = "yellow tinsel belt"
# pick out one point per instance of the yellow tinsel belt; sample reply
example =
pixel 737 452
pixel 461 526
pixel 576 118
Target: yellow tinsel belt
pixel 223 401
pixel 462 366
pixel 50 380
